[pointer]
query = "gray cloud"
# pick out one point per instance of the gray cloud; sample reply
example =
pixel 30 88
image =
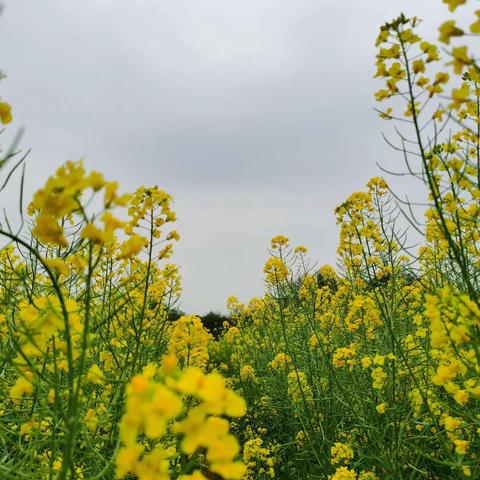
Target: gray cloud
pixel 256 115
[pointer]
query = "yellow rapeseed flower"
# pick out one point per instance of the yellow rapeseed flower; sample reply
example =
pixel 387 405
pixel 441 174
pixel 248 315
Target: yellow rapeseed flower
pixel 5 113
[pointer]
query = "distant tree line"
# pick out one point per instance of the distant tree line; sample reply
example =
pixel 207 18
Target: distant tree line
pixel 212 321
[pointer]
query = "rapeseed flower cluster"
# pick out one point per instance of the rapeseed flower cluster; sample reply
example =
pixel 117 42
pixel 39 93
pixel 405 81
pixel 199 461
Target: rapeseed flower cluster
pixel 153 404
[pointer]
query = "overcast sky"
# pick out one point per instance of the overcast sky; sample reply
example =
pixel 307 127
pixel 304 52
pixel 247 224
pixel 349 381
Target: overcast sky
pixel 256 115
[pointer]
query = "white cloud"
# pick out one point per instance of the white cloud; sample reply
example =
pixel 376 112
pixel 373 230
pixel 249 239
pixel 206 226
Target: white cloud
pixel 256 115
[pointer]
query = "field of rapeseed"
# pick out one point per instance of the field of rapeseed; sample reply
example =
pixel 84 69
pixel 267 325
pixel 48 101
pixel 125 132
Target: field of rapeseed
pixel 369 370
